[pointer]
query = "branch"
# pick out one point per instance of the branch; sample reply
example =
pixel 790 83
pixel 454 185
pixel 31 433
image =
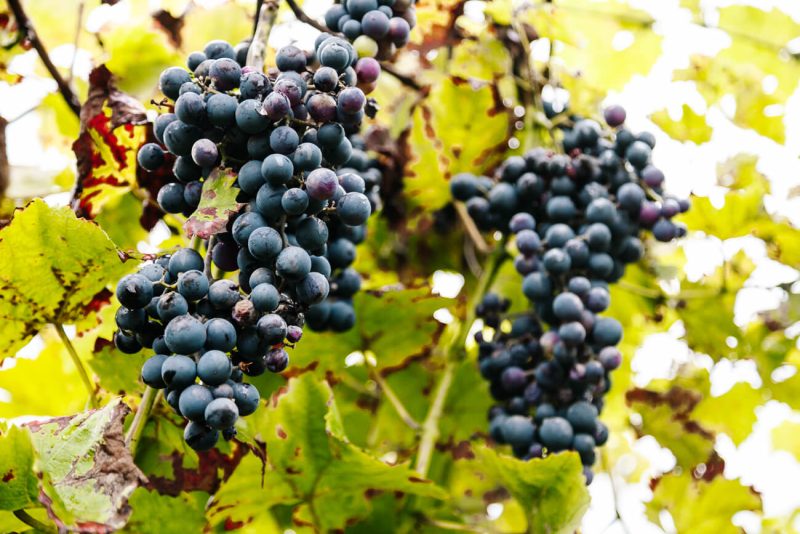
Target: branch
pixel 302 17
pixel 394 400
pixel 209 252
pixel 31 521
pixel 78 364
pixel 25 26
pixel 402 78
pixel 454 353
pixel 140 419
pixel 258 47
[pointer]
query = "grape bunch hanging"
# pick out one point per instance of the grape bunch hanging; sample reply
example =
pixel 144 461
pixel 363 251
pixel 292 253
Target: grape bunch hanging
pixel 377 28
pixel 284 133
pixel 577 219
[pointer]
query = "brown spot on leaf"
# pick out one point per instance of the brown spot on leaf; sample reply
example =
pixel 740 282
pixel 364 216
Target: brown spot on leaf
pixel 9 476
pixel 281 432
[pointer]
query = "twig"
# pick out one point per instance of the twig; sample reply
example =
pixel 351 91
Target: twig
pixel 472 230
pixel 408 81
pixel 140 419
pixel 78 364
pixel 303 17
pixel 257 12
pixel 258 47
pixel 209 252
pixel 25 25
pixel 31 521
pixel 75 41
pixel 454 352
pixel 394 400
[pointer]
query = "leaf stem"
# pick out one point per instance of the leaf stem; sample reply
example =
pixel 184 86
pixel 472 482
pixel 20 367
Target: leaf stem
pixel 140 419
pixel 31 521
pixel 209 252
pixel 267 14
pixel 78 364
pixel 26 28
pixel 394 400
pixel 454 353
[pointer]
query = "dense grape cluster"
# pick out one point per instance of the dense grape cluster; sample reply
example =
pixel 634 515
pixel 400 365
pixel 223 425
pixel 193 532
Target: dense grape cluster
pixel 284 135
pixel 577 220
pixel 377 28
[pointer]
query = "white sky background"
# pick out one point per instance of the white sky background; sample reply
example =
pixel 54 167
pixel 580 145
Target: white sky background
pixel 688 167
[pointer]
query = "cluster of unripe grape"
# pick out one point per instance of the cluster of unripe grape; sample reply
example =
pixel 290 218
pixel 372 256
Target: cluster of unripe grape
pixel 377 28
pixel 308 188
pixel 577 219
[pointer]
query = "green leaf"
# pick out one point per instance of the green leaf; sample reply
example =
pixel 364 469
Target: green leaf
pixel 136 55
pixel 311 463
pixel 395 325
pixel 153 512
pixel 460 127
pixel 732 413
pixel 667 417
pixel 551 490
pixel 90 471
pixel 701 507
pixel 20 485
pixel 786 437
pixel 690 126
pixel 54 268
pixel 217 205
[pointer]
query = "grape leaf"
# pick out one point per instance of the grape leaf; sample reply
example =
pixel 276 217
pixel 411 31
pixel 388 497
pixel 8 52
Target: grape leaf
pixel 53 269
pixel 552 490
pixel 733 413
pixel 20 485
pixel 217 204
pixel 460 127
pixel 165 514
pixel 699 506
pixel 88 472
pixel 690 126
pixel 111 134
pixel 311 464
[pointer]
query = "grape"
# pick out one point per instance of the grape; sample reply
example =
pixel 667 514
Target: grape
pixel 399 31
pixel 254 85
pixel 150 157
pixel 171 80
pixel 313 289
pixel 171 305
pixel 556 433
pixel 191 109
pixel 322 107
pixel 161 123
pixel 368 70
pixel 351 100
pixel 223 294
pixel 193 401
pixel 293 263
pixel 193 285
pixel 614 116
pixel 284 140
pixel 311 233
pixel 219 49
pixel 204 153
pixel 134 291
pixel 248 117
pixel 200 437
pixel 277 169
pixel 265 297
pixel 221 110
pixel 213 368
pixel 335 55
pixel 321 184
pixel 290 58
pixel 272 328
pixel 607 331
pixel 151 371
pixel 178 371
pixel 341 317
pixel 220 335
pixel 246 398
pixel 126 344
pixel 184 334
pixel 353 209
pixel 184 259
pixel 276 106
pixel 179 137
pixel 294 201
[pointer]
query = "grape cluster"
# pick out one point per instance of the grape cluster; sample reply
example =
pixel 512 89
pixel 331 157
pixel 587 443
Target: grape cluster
pixel 284 134
pixel 577 219
pixel 377 28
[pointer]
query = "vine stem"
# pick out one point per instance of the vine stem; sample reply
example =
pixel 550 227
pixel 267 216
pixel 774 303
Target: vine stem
pixel 209 252
pixel 394 400
pixel 31 521
pixel 472 230
pixel 454 353
pixel 267 15
pixel 78 364
pixel 26 26
pixel 303 17
pixel 140 419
